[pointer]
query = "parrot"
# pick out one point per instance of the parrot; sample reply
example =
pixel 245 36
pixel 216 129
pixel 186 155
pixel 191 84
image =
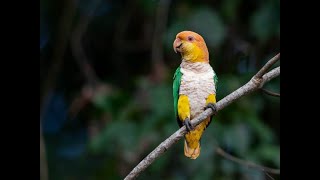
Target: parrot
pixel 194 88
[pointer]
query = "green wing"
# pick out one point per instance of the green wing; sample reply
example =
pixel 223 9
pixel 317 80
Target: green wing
pixel 215 79
pixel 176 87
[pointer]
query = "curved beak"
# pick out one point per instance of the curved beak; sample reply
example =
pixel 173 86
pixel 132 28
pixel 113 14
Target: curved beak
pixel 176 45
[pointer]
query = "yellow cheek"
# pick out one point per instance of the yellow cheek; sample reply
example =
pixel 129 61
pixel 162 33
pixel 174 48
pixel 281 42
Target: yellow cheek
pixel 188 51
pixel 191 52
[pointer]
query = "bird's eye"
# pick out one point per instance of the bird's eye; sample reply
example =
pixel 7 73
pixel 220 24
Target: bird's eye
pixel 190 38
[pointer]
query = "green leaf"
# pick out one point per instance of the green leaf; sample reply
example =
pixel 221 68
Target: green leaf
pixel 208 23
pixel 227 166
pixel 262 131
pixel 269 153
pixel 229 9
pixel 265 21
pixel 119 135
pixel 205 21
pixel 148 6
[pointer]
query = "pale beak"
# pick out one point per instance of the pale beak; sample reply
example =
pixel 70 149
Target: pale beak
pixel 176 45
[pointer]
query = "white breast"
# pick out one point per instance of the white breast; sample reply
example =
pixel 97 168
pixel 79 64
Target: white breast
pixel 197 86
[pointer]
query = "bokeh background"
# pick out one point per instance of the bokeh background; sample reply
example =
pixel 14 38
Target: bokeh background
pixel 106 69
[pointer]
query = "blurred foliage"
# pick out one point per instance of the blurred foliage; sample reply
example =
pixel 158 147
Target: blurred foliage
pixel 269 13
pixel 212 29
pixel 113 132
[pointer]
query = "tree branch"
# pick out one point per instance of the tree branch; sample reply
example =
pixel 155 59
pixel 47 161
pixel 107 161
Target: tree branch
pixel 43 159
pixel 249 164
pixel 267 66
pixel 270 92
pixel 255 83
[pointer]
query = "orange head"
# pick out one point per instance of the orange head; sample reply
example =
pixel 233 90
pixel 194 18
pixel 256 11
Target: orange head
pixel 191 46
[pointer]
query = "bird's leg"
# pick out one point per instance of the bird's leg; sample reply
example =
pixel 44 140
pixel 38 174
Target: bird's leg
pixel 212 106
pixel 188 125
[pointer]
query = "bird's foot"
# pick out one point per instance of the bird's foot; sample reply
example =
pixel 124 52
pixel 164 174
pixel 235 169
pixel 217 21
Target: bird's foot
pixel 188 125
pixel 213 107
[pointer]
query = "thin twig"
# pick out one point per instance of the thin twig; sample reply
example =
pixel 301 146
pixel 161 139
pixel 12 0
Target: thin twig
pixel 269 175
pixel 161 17
pixel 60 46
pixel 270 92
pixel 121 44
pixel 248 164
pixel 43 159
pixel 77 45
pixel 81 58
pixel 160 26
pixel 249 87
pixel 267 66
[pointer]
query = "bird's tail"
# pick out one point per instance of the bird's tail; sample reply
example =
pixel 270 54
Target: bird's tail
pixel 192 142
pixel 190 152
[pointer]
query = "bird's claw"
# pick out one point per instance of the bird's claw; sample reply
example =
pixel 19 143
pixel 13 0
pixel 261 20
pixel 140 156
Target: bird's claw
pixel 188 125
pixel 213 107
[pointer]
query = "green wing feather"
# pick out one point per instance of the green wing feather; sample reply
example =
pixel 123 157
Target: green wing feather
pixel 176 87
pixel 215 79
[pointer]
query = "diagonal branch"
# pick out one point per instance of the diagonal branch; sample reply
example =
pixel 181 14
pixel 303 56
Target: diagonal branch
pixel 254 84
